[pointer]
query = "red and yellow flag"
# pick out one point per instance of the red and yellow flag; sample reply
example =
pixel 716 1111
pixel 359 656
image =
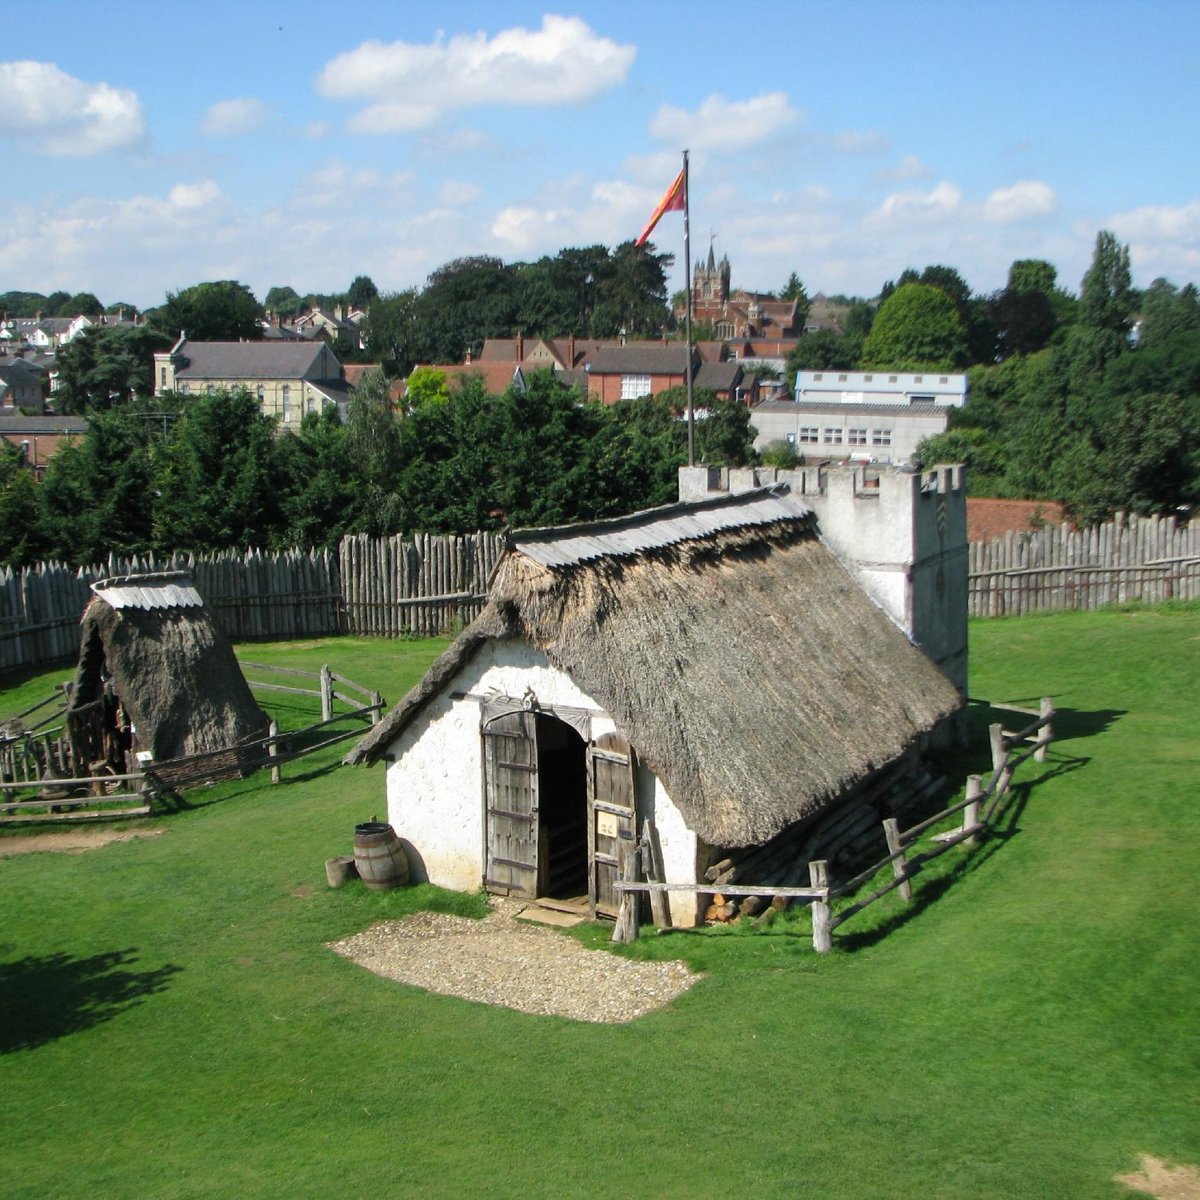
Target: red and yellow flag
pixel 673 201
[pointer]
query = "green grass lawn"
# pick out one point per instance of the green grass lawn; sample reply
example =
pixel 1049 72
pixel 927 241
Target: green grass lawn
pixel 172 1025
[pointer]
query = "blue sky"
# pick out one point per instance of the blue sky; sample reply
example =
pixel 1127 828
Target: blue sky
pixel 150 147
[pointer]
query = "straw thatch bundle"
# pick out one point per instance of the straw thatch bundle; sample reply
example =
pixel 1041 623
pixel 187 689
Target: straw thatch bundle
pixel 171 668
pixel 751 673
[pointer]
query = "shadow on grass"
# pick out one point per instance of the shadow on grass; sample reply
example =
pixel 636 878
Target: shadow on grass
pixel 48 997
pixel 1006 824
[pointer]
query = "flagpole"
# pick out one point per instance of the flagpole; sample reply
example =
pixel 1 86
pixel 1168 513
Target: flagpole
pixel 687 284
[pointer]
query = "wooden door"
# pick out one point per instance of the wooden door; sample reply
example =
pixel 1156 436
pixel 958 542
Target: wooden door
pixel 511 791
pixel 612 816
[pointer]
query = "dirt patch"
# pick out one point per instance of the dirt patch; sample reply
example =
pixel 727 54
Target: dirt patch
pixel 71 841
pixel 1162 1181
pixel 505 962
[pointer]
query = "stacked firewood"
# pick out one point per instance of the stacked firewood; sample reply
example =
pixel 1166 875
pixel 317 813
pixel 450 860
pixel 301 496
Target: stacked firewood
pixel 843 834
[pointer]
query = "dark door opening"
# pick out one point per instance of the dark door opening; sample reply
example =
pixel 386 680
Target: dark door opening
pixel 562 811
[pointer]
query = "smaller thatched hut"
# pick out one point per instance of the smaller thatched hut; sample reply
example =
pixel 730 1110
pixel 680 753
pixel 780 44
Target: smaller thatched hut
pixel 711 666
pixel 155 675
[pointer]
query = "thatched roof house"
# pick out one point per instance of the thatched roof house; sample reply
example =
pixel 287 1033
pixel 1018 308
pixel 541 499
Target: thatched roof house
pixel 156 674
pixel 752 678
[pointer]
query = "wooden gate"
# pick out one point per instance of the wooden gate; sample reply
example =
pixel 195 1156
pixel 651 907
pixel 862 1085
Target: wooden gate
pixel 612 816
pixel 511 791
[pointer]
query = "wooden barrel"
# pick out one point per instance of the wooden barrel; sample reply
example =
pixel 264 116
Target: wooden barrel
pixel 379 857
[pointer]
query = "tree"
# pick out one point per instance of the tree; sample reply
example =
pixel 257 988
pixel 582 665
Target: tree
pixel 1107 299
pixel 215 482
pixel 82 303
pixel 918 327
pixel 320 496
pixel 373 441
pixel 465 302
pixel 426 385
pixel 97 493
pixel 824 350
pixel 106 365
pixel 362 292
pixel 285 301
pixel 221 311
pixel 20 532
pixel 395 332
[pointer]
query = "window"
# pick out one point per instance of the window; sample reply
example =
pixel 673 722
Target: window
pixel 723 329
pixel 858 437
pixel 833 436
pixel 310 405
pixel 915 399
pixel 918 379
pixel 791 439
pixel 818 375
pixel 810 434
pixel 868 378
pixel 287 401
pixel 893 378
pixel 881 437
pixel 162 377
pixel 944 379
pixel 634 386
pixel 261 396
pixel 208 391
pixel 841 379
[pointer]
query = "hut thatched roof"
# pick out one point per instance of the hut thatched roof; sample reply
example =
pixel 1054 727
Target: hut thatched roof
pixel 172 668
pixel 729 644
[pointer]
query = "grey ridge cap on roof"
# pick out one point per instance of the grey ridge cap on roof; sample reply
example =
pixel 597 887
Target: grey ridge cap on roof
pixel 163 589
pixel 652 528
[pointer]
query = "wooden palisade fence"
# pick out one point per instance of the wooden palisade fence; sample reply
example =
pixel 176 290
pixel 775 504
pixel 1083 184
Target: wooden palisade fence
pixel 425 584
pixel 1056 567
pixel 384 587
pixel 641 872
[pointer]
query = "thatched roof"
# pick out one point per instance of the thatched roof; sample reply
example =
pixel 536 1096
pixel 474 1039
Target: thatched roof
pixel 748 669
pixel 172 668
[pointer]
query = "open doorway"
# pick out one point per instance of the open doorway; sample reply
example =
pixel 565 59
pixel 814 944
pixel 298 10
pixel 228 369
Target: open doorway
pixel 562 812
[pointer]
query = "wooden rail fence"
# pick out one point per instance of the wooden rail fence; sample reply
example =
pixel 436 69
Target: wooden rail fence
pixel 38 760
pixel 980 810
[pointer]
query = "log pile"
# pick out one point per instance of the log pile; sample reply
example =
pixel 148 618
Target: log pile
pixel 843 834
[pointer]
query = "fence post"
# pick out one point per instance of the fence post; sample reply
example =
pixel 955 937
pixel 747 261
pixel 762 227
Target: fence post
pixel 999 761
pixel 891 831
pixel 971 812
pixel 818 874
pixel 626 928
pixel 273 750
pixel 377 704
pixel 1046 735
pixel 326 693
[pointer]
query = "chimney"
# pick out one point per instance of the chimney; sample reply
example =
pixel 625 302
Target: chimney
pixel 468 356
pixel 571 352
pixel 520 347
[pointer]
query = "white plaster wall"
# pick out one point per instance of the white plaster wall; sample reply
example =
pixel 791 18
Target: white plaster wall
pixel 678 845
pixel 435 788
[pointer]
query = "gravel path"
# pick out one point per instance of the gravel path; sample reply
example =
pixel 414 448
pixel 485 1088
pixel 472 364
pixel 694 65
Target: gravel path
pixel 503 961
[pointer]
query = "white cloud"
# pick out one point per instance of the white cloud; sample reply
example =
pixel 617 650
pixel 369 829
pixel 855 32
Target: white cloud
pixel 455 193
pixel 724 126
pixel 194 195
pixel 907 208
pixel 229 118
pixel 858 143
pixel 409 86
pixel 56 114
pixel 317 129
pixel 1024 200
pixel 334 184
pixel 909 167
